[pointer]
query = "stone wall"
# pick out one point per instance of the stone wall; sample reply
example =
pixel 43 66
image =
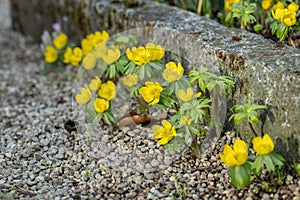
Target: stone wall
pixel 268 71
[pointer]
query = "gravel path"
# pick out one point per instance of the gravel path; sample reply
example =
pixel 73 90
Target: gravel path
pixel 43 155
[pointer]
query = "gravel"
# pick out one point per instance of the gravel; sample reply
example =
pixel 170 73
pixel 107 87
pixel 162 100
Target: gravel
pixel 43 155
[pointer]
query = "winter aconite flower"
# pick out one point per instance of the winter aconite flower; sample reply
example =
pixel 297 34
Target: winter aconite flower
pixel 263 146
pixel 293 7
pixel 107 90
pixel 289 18
pixel 101 105
pixel 187 95
pixel 236 156
pixel 151 92
pixel 93 40
pixel 143 55
pixel 112 55
pixel 84 96
pixel 185 121
pixel 228 4
pixel 266 4
pixel 286 16
pixel 51 54
pixel 156 52
pixel 138 56
pixel 173 72
pixel 73 56
pixel 60 41
pixel 130 80
pixel 95 84
pixel 89 62
pixel 165 133
pixel 279 4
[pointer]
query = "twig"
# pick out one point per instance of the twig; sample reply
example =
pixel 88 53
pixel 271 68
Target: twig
pixel 199 7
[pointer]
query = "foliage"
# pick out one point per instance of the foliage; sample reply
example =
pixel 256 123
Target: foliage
pixel 280 18
pixel 136 67
pixel 240 164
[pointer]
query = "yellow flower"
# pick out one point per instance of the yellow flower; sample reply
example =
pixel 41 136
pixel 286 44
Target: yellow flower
pixel 263 146
pixel 266 4
pixel 68 55
pixel 60 41
pixel 228 4
pixel 86 46
pixel 278 5
pixel 293 7
pixel 51 54
pixel 107 90
pixel 95 84
pixel 130 80
pixel 100 50
pixel 76 56
pixel 93 40
pixel 236 156
pixel 279 12
pixel 289 18
pixel 84 96
pixel 138 56
pixel 112 55
pixel 165 133
pixel 156 52
pixel 187 95
pixel 99 37
pixel 151 92
pixel 101 105
pixel 89 62
pixel 185 121
pixel 173 72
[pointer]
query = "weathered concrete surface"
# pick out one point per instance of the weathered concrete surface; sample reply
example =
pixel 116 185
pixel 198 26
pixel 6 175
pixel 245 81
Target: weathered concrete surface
pixel 270 73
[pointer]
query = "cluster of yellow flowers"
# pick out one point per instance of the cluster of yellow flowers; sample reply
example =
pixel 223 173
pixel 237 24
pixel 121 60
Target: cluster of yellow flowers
pixel 228 4
pixel 73 57
pixel 143 55
pixel 92 41
pixel 51 52
pixel 239 154
pixel 94 47
pixel 286 15
pixel 105 93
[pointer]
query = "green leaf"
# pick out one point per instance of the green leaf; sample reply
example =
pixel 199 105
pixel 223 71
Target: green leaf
pixel 238 117
pixel 277 158
pixel 269 163
pixel 141 73
pixel 129 68
pixel 257 164
pixel 97 118
pixel 240 176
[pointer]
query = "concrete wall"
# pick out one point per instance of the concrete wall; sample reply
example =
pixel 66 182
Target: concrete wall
pixel 268 71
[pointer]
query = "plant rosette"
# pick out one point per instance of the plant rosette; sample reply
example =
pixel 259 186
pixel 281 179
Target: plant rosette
pixel 264 147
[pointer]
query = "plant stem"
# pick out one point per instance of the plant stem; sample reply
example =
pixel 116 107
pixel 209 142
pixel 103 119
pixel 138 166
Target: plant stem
pixel 199 7
pixel 272 179
pixel 216 113
pixel 196 150
pixel 252 129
